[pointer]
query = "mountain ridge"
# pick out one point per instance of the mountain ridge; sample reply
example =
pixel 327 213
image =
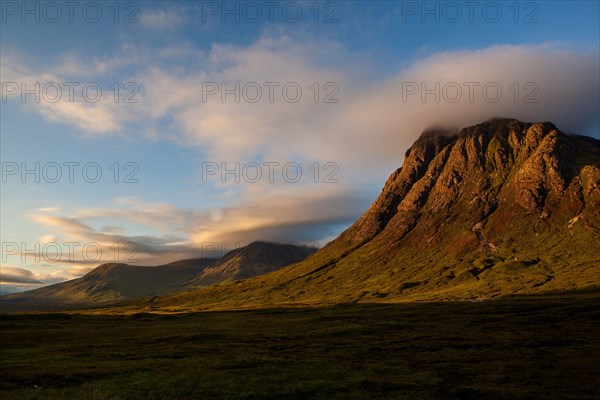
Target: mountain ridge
pixel 116 283
pixel 495 209
pixel 255 259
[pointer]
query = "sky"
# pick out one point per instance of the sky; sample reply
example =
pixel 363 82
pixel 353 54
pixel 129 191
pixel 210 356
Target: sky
pixel 147 132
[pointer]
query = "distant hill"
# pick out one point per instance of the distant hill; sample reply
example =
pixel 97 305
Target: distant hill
pixel 110 284
pixel 107 284
pixel 257 258
pixel 496 209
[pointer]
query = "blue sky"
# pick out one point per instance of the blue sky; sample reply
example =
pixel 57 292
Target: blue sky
pixel 365 55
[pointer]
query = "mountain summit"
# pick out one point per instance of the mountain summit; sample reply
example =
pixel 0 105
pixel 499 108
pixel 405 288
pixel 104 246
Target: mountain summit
pixel 257 258
pixel 498 180
pixel 499 208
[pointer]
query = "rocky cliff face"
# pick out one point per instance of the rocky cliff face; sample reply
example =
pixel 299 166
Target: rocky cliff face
pixel 494 173
pixel 465 202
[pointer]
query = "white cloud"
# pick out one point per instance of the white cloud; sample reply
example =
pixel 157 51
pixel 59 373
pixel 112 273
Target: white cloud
pixel 372 124
pixel 48 239
pixel 89 105
pixel 366 133
pixel 289 214
pixel 79 270
pixel 48 209
pixel 163 235
pixel 14 279
pixel 18 275
pixel 168 18
pixel 371 121
pixel 283 214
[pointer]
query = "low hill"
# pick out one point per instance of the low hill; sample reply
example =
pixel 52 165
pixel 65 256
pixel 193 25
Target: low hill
pixel 107 284
pixel 110 284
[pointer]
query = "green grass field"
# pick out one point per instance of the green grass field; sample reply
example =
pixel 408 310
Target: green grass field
pixel 534 348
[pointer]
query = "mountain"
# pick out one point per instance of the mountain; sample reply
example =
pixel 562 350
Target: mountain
pixel 496 209
pixel 257 258
pixel 117 283
pixel 108 284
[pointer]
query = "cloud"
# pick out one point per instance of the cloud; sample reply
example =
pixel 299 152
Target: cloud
pixel 376 118
pixel 14 280
pixel 80 270
pixel 66 224
pixel 98 235
pixel 160 216
pixel 89 105
pixel 283 214
pixel 18 275
pixel 47 239
pixel 167 18
pixel 366 133
pixel 538 83
pixel 230 128
pixel 293 215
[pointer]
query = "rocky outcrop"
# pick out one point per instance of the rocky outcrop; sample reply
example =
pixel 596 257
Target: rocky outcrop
pixel 515 167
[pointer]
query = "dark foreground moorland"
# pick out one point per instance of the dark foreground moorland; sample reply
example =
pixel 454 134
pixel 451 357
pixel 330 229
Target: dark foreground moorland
pixel 533 348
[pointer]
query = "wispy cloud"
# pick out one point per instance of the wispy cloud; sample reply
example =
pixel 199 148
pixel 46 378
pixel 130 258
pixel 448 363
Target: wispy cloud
pixel 374 115
pixel 13 279
pixel 167 18
pixel 366 133
pixel 109 245
pixel 286 216
pixel 18 275
pixel 103 116
pixel 291 215
pixel 48 209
